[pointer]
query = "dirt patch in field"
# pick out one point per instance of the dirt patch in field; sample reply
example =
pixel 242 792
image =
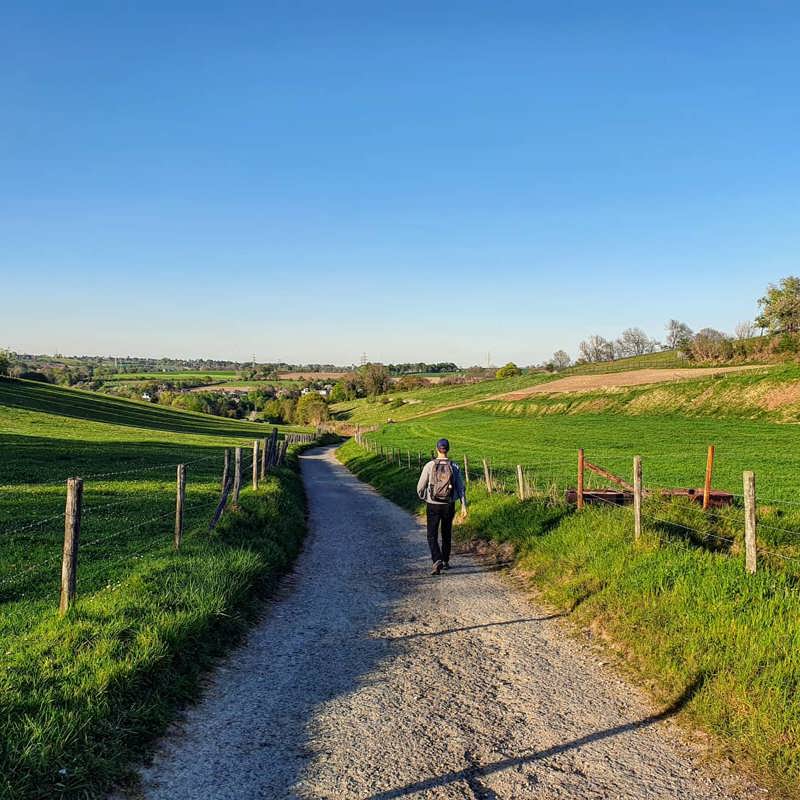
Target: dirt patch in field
pixel 637 377
pixel 782 395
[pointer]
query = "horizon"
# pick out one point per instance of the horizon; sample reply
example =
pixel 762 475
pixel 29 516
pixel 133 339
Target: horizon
pixel 306 184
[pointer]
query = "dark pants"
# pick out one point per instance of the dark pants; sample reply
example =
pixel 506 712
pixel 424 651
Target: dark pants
pixel 440 514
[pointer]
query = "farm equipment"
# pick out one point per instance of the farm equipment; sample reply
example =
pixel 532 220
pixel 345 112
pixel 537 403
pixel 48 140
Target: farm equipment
pixel 708 497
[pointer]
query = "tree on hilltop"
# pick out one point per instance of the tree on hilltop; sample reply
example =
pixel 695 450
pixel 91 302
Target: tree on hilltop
pixel 635 342
pixel 780 307
pixel 596 348
pixel 5 363
pixel 561 359
pixel 679 334
pixel 709 344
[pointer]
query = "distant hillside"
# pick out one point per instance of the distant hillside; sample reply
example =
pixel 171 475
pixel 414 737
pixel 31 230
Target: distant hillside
pixel 63 423
pixel 767 393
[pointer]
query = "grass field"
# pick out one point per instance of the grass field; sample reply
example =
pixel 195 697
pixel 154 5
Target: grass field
pixel 83 693
pixel 678 613
pixel 418 401
pixel 220 375
pixel 399 406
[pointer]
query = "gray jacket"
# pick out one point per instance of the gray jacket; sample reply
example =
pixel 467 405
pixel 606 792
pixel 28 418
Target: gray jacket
pixel 424 485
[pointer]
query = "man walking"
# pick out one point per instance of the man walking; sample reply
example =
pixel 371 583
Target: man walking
pixel 440 485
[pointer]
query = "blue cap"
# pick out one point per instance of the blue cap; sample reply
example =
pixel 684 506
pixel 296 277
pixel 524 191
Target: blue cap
pixel 443 445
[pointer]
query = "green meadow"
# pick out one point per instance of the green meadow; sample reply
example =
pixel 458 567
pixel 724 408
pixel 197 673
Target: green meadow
pixel 79 696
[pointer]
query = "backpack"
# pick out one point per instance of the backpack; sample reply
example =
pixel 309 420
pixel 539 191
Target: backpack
pixel 441 481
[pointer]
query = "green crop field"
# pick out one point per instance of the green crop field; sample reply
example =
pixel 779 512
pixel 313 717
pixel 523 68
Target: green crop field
pixel 165 375
pixel 78 693
pixel 734 412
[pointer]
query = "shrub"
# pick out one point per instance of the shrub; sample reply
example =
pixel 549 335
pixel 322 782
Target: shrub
pixel 508 371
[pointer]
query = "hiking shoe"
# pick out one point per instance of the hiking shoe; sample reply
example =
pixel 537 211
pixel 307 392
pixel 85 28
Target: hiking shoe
pixel 437 567
pixel 446 565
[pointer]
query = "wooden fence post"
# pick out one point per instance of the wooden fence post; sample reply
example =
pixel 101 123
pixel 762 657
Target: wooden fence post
pixel 180 499
pixel 223 501
pixel 237 476
pixel 226 468
pixel 580 479
pixel 273 447
pixel 749 480
pixel 466 470
pixel 255 464
pixel 419 459
pixel 72 532
pixel 520 482
pixel 709 473
pixel 264 459
pixel 408 457
pixel 487 476
pixel 637 497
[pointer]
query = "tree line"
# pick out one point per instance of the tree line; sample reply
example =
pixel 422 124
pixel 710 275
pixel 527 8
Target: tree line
pixel 778 322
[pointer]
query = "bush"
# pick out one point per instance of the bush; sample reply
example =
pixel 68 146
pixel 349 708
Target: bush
pixel 409 382
pixel 510 370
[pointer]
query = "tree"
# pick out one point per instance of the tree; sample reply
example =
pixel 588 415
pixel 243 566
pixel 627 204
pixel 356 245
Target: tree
pixel 508 371
pixel 709 343
pixel 5 363
pixel 635 342
pixel 744 330
pixel 410 382
pixel 375 379
pixel 596 348
pixel 679 334
pixel 561 359
pixel 780 307
pixel 311 409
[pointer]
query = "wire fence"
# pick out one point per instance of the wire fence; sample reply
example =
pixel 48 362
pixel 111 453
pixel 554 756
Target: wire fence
pixel 760 529
pixel 113 516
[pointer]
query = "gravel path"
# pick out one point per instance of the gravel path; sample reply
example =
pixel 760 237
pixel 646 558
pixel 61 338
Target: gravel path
pixel 372 679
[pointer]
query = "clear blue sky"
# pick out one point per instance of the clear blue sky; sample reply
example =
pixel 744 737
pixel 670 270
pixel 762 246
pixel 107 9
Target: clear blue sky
pixel 417 180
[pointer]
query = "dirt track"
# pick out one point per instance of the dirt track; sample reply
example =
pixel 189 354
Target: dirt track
pixel 372 679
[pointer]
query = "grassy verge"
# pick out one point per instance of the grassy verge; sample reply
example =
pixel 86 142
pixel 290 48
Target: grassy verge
pixel 82 696
pixel 678 612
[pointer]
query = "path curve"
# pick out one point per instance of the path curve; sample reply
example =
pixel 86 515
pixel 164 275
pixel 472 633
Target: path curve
pixel 371 679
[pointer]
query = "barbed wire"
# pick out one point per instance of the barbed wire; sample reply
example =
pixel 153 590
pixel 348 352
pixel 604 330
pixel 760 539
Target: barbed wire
pixel 14 488
pixel 129 529
pixel 31 525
